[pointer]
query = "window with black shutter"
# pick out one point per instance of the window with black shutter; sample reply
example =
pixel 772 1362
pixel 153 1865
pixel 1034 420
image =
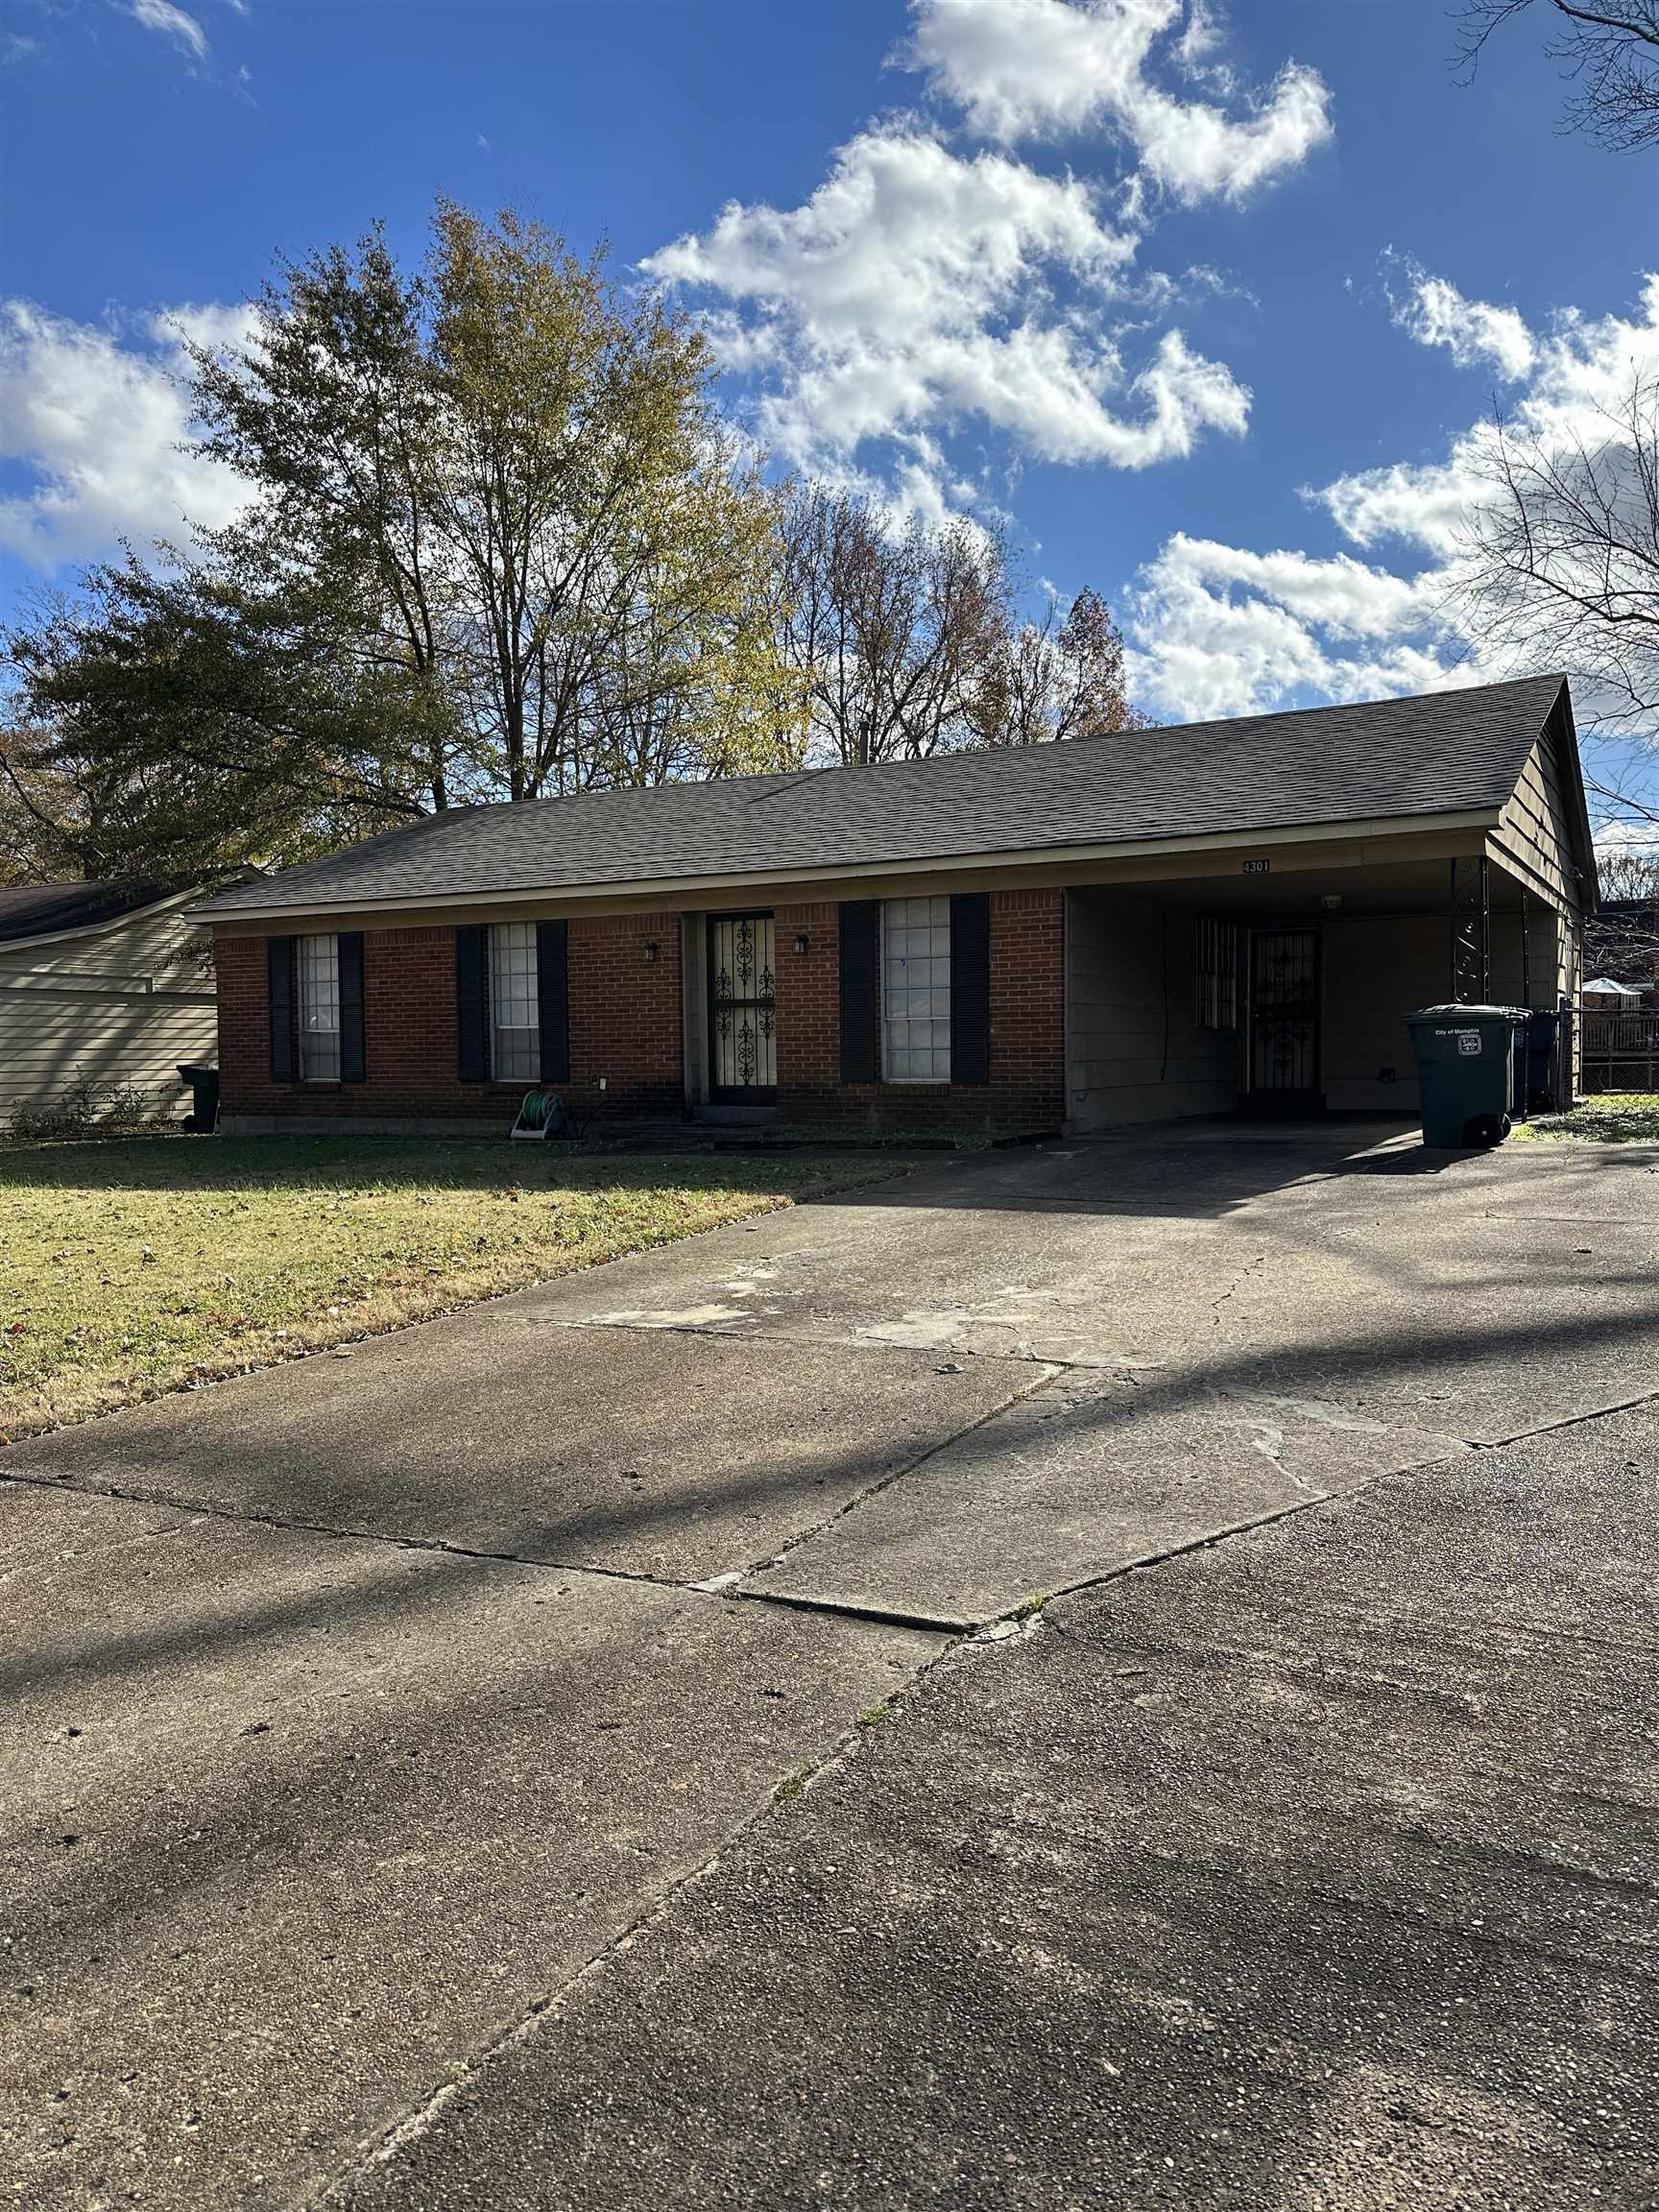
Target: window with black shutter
pixel 279 962
pixel 473 1005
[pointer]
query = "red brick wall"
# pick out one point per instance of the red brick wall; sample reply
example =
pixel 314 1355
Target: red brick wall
pixel 624 1027
pixel 1028 1086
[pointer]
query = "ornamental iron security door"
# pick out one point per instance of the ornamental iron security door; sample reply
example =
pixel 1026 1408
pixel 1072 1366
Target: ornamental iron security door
pixel 1285 1015
pixel 743 1008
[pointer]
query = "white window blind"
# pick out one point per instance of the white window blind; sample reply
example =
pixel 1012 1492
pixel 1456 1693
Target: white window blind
pixel 318 969
pixel 515 1006
pixel 916 990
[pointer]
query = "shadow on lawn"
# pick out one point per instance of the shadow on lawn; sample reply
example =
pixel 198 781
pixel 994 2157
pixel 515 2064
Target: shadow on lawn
pixel 206 1165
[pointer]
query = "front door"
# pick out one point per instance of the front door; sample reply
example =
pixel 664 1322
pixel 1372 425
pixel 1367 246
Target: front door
pixel 742 1010
pixel 1285 1017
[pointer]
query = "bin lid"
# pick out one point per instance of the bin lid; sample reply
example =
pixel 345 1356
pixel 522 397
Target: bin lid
pixel 1464 1016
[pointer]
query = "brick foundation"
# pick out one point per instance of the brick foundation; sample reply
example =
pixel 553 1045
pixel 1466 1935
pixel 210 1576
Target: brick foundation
pixel 626 1028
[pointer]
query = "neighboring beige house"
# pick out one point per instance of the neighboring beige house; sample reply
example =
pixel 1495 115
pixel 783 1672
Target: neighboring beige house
pixel 105 986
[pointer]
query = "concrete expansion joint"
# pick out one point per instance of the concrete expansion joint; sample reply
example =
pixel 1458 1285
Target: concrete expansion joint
pixel 1146 1561
pixel 339 2192
pixel 1215 1537
pixel 849 1609
pixel 1565 1421
pixel 118 1495
pixel 1049 1371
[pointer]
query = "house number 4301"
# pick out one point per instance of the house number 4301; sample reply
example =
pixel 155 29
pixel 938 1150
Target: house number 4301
pixel 1257 867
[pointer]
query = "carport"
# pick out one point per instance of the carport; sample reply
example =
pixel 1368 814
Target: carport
pixel 1224 972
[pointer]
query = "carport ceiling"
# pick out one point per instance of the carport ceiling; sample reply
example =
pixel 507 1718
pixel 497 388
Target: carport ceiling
pixel 1403 887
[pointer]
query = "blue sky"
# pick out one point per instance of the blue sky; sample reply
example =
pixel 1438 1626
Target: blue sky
pixel 1204 305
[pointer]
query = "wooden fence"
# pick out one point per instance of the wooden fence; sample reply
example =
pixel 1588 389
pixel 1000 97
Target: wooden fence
pixel 1618 1052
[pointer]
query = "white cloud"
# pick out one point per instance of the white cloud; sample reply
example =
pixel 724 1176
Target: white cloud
pixel 1577 373
pixel 1217 630
pixel 933 286
pixel 171 22
pixel 1025 69
pixel 103 427
pixel 918 286
pixel 1475 333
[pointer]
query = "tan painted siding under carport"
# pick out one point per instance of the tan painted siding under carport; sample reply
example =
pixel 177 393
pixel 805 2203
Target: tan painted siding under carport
pixel 122 1004
pixel 1134 1052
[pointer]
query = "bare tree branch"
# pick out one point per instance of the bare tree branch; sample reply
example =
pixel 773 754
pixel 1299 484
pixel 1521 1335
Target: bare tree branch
pixel 1610 52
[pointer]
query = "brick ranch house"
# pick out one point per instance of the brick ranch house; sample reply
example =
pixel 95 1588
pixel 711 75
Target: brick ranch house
pixel 1170 923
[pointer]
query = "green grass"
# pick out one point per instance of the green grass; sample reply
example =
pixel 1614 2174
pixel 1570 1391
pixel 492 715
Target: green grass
pixel 137 1266
pixel 1616 1117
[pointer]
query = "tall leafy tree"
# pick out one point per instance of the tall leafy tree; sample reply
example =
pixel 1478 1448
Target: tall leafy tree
pixel 611 552
pixel 496 544
pixel 179 720
pixel 329 414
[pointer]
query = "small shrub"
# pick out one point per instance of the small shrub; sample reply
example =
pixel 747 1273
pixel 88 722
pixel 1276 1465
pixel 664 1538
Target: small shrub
pixel 85 1109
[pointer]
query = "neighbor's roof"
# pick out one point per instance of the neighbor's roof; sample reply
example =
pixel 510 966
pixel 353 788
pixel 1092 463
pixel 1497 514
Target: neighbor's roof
pixel 45 909
pixel 1606 983
pixel 1449 751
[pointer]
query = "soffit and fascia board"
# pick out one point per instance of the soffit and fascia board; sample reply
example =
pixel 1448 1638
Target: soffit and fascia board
pixel 1357 844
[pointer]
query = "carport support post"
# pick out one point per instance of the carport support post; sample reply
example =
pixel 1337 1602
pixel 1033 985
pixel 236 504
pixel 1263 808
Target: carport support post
pixel 1472 936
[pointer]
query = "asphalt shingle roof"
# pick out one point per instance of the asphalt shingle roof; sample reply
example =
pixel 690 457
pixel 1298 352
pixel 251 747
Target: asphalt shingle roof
pixel 42 909
pixel 1442 753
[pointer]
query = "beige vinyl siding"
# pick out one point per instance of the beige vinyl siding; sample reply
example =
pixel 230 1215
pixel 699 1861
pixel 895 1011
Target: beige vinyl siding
pixel 121 1005
pixel 1534 836
pixel 1534 840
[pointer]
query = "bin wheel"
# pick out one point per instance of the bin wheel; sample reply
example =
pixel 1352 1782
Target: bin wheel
pixel 1486 1130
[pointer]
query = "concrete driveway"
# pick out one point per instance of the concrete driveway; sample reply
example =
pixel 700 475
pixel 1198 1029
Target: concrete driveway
pixel 357 1711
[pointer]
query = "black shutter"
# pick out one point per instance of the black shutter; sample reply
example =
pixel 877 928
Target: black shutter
pixel 970 987
pixel 280 952
pixel 861 963
pixel 473 1005
pixel 553 998
pixel 353 1064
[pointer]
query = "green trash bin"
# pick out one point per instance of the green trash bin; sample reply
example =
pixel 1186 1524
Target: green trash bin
pixel 1466 1072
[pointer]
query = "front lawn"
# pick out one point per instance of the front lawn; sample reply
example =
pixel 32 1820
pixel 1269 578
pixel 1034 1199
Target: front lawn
pixel 144 1264
pixel 1614 1118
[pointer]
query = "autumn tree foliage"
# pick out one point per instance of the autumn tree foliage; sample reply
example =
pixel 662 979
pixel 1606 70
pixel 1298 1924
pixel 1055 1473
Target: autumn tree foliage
pixel 498 542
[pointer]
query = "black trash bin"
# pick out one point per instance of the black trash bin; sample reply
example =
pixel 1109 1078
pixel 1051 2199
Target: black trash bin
pixel 1466 1072
pixel 1542 1086
pixel 203 1084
